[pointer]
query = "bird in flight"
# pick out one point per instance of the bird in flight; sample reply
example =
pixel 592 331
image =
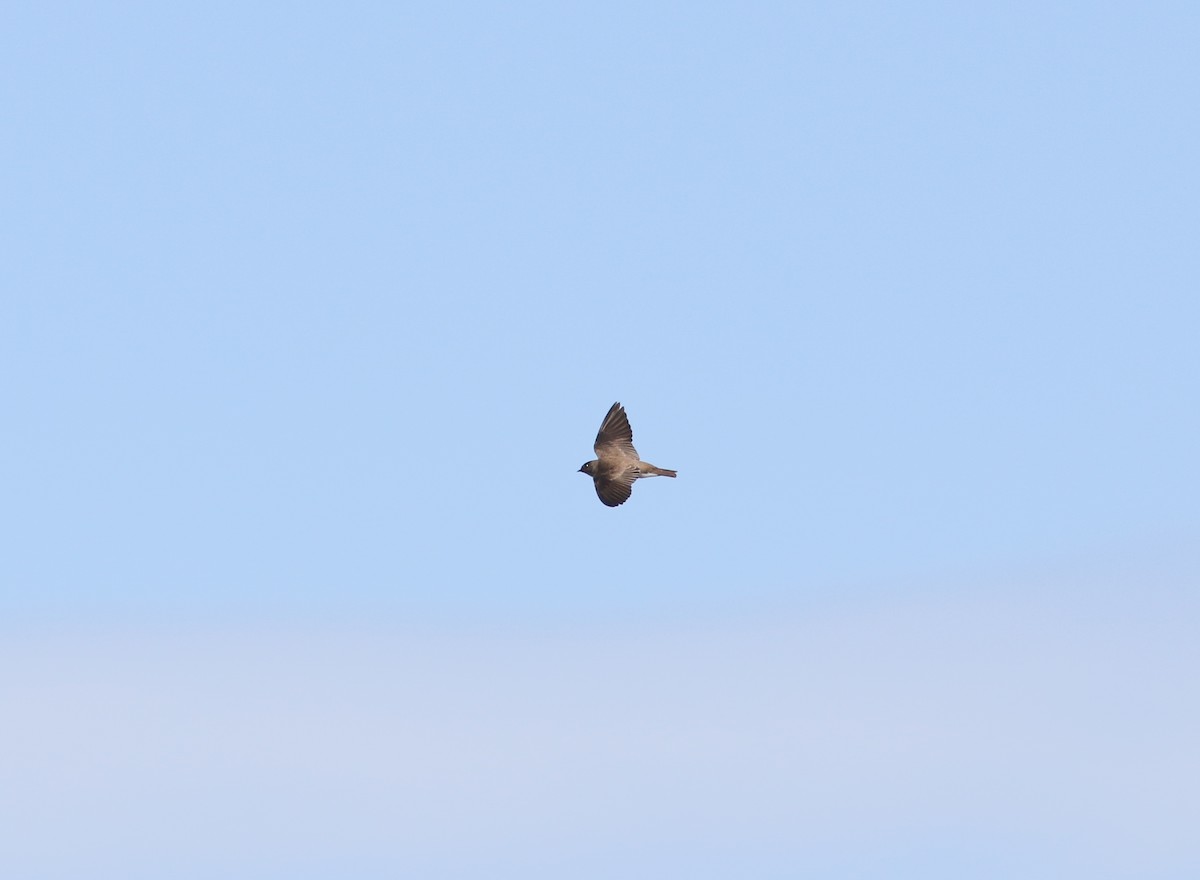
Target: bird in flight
pixel 617 463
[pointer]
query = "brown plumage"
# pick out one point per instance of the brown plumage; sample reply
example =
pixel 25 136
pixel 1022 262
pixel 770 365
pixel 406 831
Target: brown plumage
pixel 617 463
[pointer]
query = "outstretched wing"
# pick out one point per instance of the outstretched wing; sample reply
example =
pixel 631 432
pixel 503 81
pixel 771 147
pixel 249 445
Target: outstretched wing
pixel 615 491
pixel 615 437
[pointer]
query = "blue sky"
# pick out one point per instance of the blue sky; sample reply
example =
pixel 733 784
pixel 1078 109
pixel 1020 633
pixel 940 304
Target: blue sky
pixel 310 316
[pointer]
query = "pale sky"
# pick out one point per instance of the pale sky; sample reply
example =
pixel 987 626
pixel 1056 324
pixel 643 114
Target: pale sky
pixel 310 316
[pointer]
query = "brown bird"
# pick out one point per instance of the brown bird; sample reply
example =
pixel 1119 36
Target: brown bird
pixel 617 464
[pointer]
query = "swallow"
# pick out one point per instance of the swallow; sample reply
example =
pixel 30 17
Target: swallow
pixel 617 463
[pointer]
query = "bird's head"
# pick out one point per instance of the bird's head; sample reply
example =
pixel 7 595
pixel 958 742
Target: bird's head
pixel 587 468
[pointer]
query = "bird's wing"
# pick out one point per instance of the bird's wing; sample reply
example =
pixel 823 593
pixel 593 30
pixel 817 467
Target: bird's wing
pixel 615 436
pixel 615 490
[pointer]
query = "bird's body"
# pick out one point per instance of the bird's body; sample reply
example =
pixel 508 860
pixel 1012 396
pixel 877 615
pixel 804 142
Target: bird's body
pixel 617 463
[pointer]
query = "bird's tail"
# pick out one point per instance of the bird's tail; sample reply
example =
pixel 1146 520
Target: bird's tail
pixel 662 472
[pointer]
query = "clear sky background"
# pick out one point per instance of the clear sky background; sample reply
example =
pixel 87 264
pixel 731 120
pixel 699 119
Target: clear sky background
pixel 309 316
